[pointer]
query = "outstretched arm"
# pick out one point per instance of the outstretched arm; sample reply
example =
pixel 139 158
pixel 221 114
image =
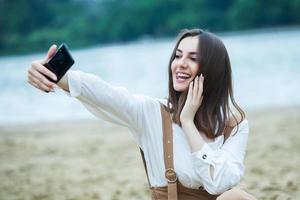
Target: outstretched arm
pixel 114 104
pixel 111 103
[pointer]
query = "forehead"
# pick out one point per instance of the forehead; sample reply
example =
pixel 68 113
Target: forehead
pixel 189 44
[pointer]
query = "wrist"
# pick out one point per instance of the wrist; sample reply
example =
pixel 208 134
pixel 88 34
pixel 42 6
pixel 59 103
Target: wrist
pixel 187 123
pixel 63 83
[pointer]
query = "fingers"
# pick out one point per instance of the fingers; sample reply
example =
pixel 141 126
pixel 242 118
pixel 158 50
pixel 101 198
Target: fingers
pixel 195 90
pixel 36 76
pixel 37 73
pixel 38 68
pixel 200 87
pixel 39 85
pixel 190 92
pixel 50 53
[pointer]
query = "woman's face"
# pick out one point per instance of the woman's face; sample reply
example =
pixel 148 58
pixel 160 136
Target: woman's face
pixel 184 67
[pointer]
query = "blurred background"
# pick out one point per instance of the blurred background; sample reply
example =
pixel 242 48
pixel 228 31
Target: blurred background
pixel 128 43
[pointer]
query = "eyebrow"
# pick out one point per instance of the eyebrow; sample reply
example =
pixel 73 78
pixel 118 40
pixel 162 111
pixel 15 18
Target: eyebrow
pixel 192 52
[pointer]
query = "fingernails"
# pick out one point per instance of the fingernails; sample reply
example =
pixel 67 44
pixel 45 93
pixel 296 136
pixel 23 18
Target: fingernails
pixel 201 77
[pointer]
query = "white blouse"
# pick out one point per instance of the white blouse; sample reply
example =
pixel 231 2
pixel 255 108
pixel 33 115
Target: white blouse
pixel 141 114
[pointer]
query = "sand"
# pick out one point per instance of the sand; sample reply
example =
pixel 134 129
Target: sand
pixel 97 160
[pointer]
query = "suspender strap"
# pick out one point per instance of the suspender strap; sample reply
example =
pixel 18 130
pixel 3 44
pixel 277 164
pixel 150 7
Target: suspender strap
pixel 170 173
pixel 168 154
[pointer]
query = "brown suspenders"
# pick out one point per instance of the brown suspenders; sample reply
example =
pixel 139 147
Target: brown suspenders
pixel 170 173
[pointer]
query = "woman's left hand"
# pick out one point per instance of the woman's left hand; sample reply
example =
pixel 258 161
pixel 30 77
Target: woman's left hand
pixel 193 100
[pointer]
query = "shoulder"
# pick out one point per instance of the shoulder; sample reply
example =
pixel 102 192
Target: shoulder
pixel 236 119
pixel 162 101
pixel 150 104
pixel 237 124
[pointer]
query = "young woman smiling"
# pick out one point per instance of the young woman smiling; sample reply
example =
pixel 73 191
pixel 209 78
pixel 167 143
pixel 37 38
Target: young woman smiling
pixel 194 142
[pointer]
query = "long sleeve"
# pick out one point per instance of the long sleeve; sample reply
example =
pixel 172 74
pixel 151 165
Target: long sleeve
pixel 227 161
pixel 110 103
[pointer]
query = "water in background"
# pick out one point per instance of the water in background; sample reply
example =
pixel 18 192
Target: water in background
pixel 265 68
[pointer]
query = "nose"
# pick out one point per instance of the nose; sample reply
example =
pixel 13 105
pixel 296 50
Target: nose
pixel 182 62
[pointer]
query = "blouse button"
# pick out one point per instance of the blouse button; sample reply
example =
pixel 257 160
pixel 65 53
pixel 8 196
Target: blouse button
pixel 204 156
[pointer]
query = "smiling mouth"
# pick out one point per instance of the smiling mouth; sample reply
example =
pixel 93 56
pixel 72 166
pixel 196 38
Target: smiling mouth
pixel 181 77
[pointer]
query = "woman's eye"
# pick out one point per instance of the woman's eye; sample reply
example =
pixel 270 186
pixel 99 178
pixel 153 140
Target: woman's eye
pixel 193 59
pixel 177 56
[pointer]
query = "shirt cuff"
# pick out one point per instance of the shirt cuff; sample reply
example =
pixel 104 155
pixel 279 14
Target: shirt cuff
pixel 74 83
pixel 206 155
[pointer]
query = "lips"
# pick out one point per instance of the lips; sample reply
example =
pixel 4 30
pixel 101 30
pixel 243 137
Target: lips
pixel 182 77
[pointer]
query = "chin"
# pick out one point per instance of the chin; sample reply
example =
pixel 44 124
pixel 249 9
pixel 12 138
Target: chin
pixel 179 88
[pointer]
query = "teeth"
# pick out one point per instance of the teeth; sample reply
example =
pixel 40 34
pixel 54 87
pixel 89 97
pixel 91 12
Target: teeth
pixel 183 75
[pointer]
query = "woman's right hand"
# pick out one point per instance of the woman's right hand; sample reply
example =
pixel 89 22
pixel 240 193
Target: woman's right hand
pixel 37 71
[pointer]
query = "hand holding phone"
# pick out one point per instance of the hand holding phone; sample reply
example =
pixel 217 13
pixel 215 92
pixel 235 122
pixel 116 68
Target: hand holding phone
pixel 60 63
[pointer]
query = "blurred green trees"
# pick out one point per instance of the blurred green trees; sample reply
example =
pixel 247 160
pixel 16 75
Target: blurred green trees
pixel 33 25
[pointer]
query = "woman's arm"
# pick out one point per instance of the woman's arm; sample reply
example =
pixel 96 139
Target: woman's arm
pixel 188 112
pixel 217 167
pixel 221 166
pixel 195 140
pixel 114 104
pixel 111 103
pixel 63 83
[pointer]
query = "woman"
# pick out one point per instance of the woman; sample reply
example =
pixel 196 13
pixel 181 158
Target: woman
pixel 208 140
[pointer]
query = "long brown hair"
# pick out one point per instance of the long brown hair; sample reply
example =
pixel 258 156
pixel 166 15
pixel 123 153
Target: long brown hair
pixel 214 112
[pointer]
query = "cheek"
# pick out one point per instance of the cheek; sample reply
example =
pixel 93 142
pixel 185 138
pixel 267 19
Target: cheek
pixel 173 66
pixel 195 69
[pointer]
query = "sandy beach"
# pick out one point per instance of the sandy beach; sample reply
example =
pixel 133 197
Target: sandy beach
pixel 88 160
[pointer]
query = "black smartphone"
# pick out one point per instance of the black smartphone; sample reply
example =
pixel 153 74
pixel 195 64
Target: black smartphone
pixel 60 63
